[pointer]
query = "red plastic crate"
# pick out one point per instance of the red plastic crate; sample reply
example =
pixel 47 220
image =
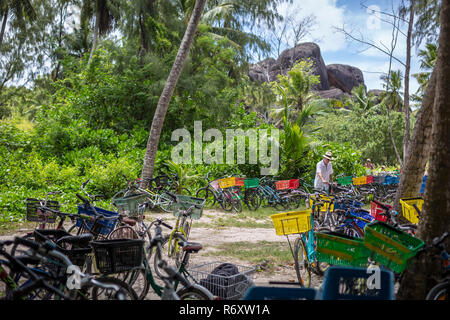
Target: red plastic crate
pixel 293 184
pixel 376 210
pixel 239 182
pixel 369 179
pixel 282 185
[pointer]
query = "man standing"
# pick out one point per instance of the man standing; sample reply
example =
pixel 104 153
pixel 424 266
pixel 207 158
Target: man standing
pixel 324 173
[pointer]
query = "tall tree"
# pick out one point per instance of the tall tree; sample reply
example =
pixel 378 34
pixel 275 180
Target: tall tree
pixel 425 270
pixel 169 87
pixel 106 15
pixel 19 10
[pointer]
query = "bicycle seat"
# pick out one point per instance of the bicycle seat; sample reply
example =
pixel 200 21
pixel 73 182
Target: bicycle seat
pixel 81 240
pixel 190 247
pixel 128 221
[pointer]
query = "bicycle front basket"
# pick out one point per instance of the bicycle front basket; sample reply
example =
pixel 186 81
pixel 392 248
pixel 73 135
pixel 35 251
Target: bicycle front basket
pixel 185 202
pixel 35 216
pixel 129 205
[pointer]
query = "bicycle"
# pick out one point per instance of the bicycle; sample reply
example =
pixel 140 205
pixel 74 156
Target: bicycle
pixel 193 210
pixel 213 194
pixel 52 285
pixel 143 279
pixel 442 289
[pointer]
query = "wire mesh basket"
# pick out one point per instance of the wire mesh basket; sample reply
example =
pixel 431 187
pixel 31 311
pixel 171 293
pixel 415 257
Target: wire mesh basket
pixel 130 205
pixel 215 185
pixel 224 280
pixel 35 215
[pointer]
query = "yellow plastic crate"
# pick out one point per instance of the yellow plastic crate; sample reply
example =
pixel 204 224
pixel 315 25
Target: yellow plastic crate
pixel 408 211
pixel 359 181
pixel 326 205
pixel 227 182
pixel 292 222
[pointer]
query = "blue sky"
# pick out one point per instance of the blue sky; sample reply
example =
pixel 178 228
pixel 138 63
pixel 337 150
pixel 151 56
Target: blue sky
pixel 351 14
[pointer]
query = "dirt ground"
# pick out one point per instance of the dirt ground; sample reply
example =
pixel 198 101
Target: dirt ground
pixel 211 236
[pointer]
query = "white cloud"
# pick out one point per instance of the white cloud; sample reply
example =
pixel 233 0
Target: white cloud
pixel 328 15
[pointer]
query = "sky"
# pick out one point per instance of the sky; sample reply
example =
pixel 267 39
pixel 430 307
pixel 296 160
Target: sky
pixel 360 22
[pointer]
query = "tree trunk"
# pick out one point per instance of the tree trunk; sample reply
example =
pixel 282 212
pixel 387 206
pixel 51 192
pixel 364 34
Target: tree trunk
pixel 169 87
pixel 96 34
pixel 143 48
pixel 2 32
pixel 419 148
pixel 406 136
pixel 425 272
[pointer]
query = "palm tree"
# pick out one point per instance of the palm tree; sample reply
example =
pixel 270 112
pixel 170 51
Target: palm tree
pixel 20 10
pixel 169 87
pixel 106 16
pixel 360 101
pixel 428 58
pixel 392 97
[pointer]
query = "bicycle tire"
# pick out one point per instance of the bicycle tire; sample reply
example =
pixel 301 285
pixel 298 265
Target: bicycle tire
pixel 227 201
pixel 99 293
pixel 301 264
pixel 208 195
pixel 321 267
pixel 138 281
pixel 439 291
pixel 195 293
pixel 167 205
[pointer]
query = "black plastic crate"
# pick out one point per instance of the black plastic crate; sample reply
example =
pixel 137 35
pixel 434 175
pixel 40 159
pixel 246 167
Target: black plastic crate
pixel 118 255
pixel 35 216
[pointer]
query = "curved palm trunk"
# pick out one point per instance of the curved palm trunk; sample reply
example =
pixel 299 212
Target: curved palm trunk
pixel 419 148
pixel 426 270
pixel 169 87
pixel 406 137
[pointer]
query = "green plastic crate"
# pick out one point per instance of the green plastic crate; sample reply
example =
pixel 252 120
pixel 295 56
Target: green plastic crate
pixel 345 181
pixel 251 183
pixel 338 249
pixel 391 247
pixel 185 202
pixel 129 205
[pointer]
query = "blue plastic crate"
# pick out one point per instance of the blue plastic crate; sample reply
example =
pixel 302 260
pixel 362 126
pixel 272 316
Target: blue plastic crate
pixel 362 214
pixel 422 187
pixel 108 225
pixel 280 293
pixel 391 180
pixel 342 283
pixel 342 206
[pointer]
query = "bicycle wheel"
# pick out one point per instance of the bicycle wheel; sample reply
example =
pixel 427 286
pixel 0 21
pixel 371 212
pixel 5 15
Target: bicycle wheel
pixel 194 293
pixel 439 291
pixel 251 199
pixel 165 203
pixel 124 232
pixel 227 201
pixel 301 263
pixel 208 195
pixel 137 279
pixel 125 292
